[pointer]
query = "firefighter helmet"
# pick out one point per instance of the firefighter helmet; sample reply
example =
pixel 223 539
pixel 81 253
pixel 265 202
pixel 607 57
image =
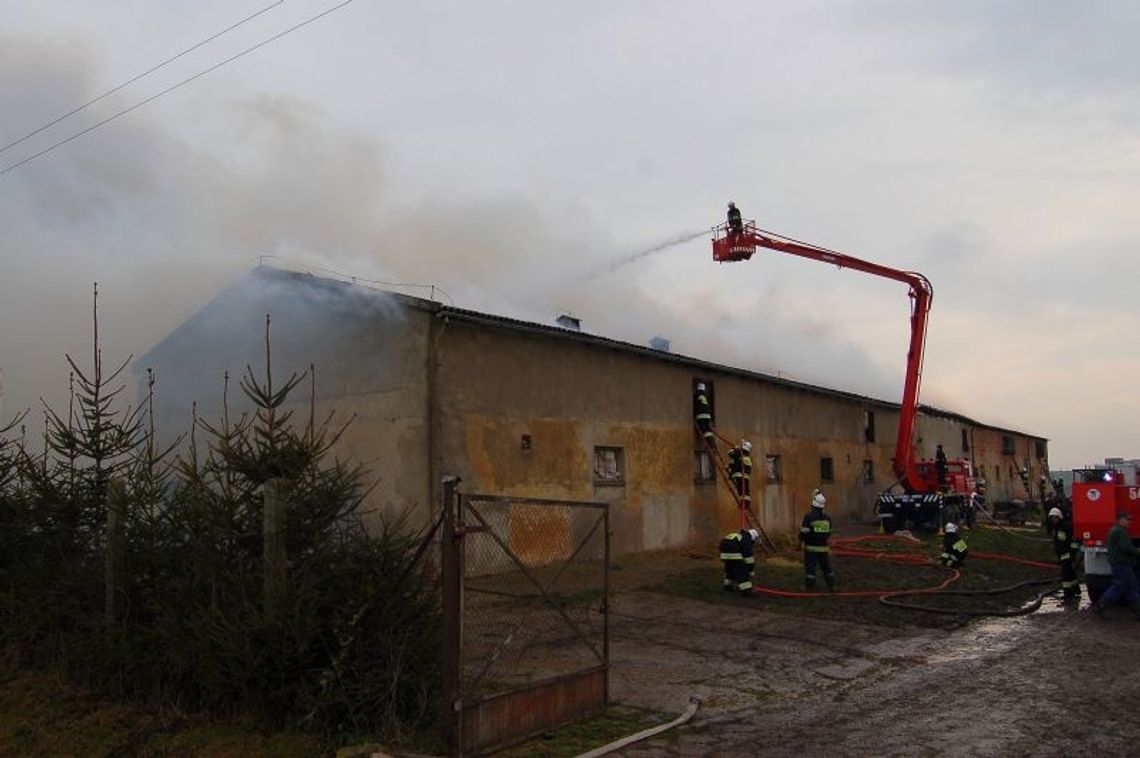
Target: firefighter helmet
pixel 951 528
pixel 1055 512
pixel 755 534
pixel 731 204
pixel 700 386
pixel 746 446
pixel 818 501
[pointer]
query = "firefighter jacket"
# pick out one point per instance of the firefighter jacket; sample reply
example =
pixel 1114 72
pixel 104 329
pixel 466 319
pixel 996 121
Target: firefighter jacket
pixel 701 406
pixel 738 546
pixel 815 531
pixel 1065 543
pixel 735 222
pixel 739 464
pixel 954 549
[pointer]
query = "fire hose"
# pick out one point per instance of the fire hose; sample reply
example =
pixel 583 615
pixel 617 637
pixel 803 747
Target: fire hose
pixel 694 704
pixel 848 547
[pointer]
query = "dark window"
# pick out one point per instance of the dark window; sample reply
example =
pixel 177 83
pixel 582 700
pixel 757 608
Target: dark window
pixel 868 472
pixel 869 426
pixel 1039 449
pixel 772 468
pixel 826 470
pixel 609 465
pixel 997 473
pixel 1006 445
pixel 965 441
pixel 703 467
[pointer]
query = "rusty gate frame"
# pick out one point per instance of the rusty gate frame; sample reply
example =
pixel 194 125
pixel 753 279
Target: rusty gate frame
pixel 474 725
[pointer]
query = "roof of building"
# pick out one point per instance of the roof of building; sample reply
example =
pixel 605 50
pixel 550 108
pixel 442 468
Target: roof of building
pixel 360 287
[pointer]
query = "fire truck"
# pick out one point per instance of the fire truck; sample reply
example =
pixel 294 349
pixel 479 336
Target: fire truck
pixel 928 497
pixel 1099 493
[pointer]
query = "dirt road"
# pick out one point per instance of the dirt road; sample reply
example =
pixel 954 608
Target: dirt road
pixel 1058 682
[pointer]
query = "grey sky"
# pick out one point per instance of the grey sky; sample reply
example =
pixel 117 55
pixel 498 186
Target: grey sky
pixel 502 150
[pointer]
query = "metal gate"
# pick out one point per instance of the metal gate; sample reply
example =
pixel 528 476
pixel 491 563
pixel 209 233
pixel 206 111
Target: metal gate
pixel 525 608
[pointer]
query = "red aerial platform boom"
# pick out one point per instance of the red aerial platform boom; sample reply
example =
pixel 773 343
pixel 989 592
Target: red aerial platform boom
pixel 732 245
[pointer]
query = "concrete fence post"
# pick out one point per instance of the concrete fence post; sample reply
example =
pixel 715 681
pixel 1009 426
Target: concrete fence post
pixel 274 559
pixel 451 567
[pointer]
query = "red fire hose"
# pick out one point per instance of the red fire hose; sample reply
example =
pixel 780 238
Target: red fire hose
pixel 848 546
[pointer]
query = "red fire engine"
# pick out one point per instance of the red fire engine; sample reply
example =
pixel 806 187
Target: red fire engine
pixel 1098 495
pixel 927 499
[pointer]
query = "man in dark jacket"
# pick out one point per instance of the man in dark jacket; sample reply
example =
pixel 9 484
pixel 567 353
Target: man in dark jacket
pixel 1065 545
pixel 735 222
pixel 737 554
pixel 740 472
pixel 954 547
pixel 1122 556
pixel 940 467
pixel 702 414
pixel 815 532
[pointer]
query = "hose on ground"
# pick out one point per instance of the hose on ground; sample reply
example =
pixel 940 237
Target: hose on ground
pixel 850 546
pixel 694 704
pixel 889 599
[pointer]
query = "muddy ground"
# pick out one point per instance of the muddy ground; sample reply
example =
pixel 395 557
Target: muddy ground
pixel 843 680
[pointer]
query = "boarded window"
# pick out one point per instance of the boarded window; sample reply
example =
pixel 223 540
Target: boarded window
pixel 826 470
pixel 868 473
pixel 965 441
pixel 1006 444
pixel 772 468
pixel 703 470
pixel 609 465
pixel 869 426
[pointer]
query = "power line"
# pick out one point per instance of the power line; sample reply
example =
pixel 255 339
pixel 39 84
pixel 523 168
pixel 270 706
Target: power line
pixel 134 79
pixel 173 87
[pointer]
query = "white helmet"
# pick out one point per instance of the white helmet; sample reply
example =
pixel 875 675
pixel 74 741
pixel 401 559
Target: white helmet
pixel 746 446
pixel 951 528
pixel 818 500
pixel 700 387
pixel 755 534
pixel 1055 512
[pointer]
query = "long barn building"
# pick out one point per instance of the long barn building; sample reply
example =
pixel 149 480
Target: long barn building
pixel 526 409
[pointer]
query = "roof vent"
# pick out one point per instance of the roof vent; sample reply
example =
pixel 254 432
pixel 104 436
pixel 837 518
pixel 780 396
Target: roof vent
pixel 566 321
pixel 659 343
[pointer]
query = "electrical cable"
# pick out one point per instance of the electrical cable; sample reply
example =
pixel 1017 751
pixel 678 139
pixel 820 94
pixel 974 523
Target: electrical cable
pixel 358 279
pixel 133 79
pixel 173 87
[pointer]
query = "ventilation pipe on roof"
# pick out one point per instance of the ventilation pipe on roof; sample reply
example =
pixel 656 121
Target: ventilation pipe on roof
pixel 566 321
pixel 659 343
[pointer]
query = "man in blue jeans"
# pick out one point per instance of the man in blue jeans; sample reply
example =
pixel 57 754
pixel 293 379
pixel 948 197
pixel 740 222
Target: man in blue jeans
pixel 1122 556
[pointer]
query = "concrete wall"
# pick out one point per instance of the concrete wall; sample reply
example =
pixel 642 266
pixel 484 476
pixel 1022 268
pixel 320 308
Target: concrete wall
pixel 519 411
pixel 371 356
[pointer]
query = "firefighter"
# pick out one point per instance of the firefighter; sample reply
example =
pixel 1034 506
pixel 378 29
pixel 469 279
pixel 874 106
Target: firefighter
pixel 1065 546
pixel 737 553
pixel 815 531
pixel 703 414
pixel 1122 557
pixel 940 467
pixel 740 472
pixel 954 547
pixel 735 223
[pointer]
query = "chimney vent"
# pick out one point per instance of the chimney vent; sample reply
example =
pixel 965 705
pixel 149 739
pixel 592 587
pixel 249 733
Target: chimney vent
pixel 566 321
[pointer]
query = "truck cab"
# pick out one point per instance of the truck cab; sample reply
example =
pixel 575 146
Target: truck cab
pixel 1099 493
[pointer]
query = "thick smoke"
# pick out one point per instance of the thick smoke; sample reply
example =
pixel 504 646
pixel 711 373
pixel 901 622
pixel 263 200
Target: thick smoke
pixel 164 224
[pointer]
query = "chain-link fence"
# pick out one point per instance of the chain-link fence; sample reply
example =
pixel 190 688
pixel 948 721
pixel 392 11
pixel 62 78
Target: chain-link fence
pixel 532 614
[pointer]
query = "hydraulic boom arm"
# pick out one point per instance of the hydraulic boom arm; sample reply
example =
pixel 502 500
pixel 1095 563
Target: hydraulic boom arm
pixel 730 245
